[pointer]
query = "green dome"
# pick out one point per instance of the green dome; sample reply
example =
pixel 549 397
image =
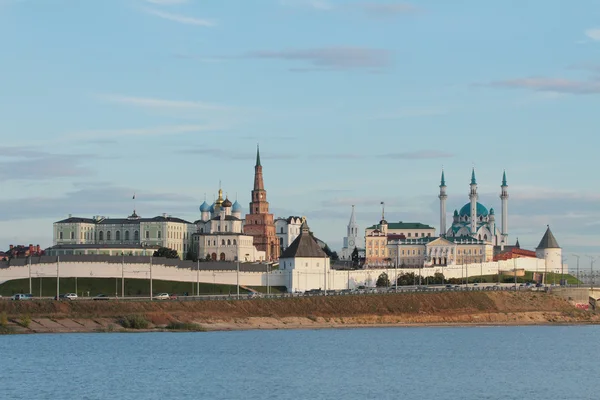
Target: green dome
pixel 481 210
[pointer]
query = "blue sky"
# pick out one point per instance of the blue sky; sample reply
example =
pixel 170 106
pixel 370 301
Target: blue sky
pixel 352 103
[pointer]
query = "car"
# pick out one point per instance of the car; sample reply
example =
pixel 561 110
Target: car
pixel 173 296
pixel 162 296
pixel 20 297
pixel 71 296
pixel 254 295
pixel 539 285
pixel 101 297
pixel 60 297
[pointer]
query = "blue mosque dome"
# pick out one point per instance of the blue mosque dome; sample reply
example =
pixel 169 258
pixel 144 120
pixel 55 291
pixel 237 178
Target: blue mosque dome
pixel 481 210
pixel 204 207
pixel 236 207
pixel 212 208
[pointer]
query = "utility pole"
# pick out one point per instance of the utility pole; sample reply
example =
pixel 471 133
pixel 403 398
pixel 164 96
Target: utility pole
pixel 575 255
pixel 123 275
pixel 592 260
pixel 151 297
pixel 30 288
pixel 267 278
pixel 562 271
pixel 197 277
pixel 238 279
pixel 57 278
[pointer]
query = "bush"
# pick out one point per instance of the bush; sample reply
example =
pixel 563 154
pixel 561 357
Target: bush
pixel 134 322
pixel 185 326
pixel 4 328
pixel 25 321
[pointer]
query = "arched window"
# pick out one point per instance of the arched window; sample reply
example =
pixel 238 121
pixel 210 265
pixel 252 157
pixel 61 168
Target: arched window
pixel 201 230
pixel 118 235
pixel 214 256
pixel 108 235
pixel 222 257
pixel 485 236
pixel 101 236
pixel 222 242
pixel 281 230
pixel 234 242
pixel 480 236
pixel 126 235
pixel 225 228
pixel 228 242
pixel 136 235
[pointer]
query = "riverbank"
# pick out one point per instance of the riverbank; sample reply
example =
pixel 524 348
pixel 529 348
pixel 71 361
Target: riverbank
pixel 403 309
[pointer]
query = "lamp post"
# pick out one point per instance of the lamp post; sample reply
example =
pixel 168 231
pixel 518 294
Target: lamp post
pixel 238 278
pixel 151 297
pixel 592 260
pixel 576 255
pixel 197 277
pixel 562 272
pixel 57 278
pixel 122 275
pixel 30 289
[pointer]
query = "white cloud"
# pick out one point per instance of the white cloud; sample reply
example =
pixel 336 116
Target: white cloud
pixel 149 102
pixel 166 2
pixel 593 34
pixel 182 18
pixel 153 131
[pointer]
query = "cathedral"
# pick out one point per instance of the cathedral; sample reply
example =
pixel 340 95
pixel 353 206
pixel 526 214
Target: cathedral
pixel 474 220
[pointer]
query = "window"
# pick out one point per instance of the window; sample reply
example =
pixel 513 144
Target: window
pixel 126 235
pixel 234 242
pixel 118 235
pixel 223 242
pixel 147 236
pixel 225 228
pixel 108 235
pixel 228 242
pixel 281 230
pixel 222 257
pixel 408 234
pixel 101 236
pixel 60 235
pixel 72 235
pixel 136 235
pixel 159 233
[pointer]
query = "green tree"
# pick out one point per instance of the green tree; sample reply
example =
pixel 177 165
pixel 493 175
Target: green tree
pixel 166 252
pixel 355 257
pixel 191 256
pixel 208 258
pixel 383 280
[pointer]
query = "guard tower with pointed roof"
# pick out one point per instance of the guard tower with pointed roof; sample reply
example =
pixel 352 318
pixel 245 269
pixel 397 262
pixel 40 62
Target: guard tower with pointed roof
pixel 305 263
pixel 550 251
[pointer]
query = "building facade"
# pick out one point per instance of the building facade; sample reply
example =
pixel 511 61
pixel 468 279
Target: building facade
pixel 161 231
pixel 219 234
pixel 287 230
pixel 259 222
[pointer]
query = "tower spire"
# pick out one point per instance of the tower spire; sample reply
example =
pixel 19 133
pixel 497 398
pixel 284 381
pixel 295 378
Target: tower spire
pixel 257 156
pixel 443 196
pixel 504 178
pixel 473 180
pixel 443 180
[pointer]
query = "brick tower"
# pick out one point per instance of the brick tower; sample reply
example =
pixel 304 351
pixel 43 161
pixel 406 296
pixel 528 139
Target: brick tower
pixel 259 223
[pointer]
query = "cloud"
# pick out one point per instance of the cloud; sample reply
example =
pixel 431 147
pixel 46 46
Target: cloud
pixel 24 164
pixel 331 58
pixel 371 9
pixel 108 200
pixel 153 131
pixel 558 85
pixel 593 34
pixel 181 18
pixel 154 103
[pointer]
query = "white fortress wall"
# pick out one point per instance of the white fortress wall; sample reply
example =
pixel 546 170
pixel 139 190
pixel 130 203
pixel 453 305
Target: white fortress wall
pixel 335 279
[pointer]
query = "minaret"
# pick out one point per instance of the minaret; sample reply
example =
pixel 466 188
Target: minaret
pixel 473 197
pixel 504 197
pixel 443 196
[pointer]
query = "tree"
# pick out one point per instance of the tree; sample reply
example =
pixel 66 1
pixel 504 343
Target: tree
pixel 166 252
pixel 355 257
pixel 191 256
pixel 383 280
pixel 331 254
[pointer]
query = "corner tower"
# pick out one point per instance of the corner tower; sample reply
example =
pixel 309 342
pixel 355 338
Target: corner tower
pixel 259 222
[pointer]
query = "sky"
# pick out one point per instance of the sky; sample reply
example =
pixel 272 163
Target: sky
pixel 352 103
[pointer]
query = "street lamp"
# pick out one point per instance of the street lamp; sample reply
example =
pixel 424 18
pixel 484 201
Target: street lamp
pixel 576 255
pixel 592 260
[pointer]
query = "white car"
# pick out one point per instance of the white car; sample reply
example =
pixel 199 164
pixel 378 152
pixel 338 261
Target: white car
pixel 162 296
pixel 71 296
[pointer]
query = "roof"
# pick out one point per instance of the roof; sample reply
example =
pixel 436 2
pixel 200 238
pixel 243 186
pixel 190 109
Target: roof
pixel 227 218
pixel 404 225
pixel 548 241
pixel 122 221
pixel 466 210
pixel 305 246
pixel 100 246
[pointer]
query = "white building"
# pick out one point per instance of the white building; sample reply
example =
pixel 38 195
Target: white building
pixel 219 233
pixel 287 230
pixel 162 231
pixel 549 250
pixel 305 264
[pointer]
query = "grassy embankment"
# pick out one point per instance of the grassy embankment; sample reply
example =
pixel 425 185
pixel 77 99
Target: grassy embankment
pixel 109 286
pixel 403 309
pixel 550 278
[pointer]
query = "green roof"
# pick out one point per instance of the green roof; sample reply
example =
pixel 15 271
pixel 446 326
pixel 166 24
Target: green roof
pixel 404 225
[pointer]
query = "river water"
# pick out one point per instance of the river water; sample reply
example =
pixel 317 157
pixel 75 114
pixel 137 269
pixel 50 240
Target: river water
pixel 542 362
